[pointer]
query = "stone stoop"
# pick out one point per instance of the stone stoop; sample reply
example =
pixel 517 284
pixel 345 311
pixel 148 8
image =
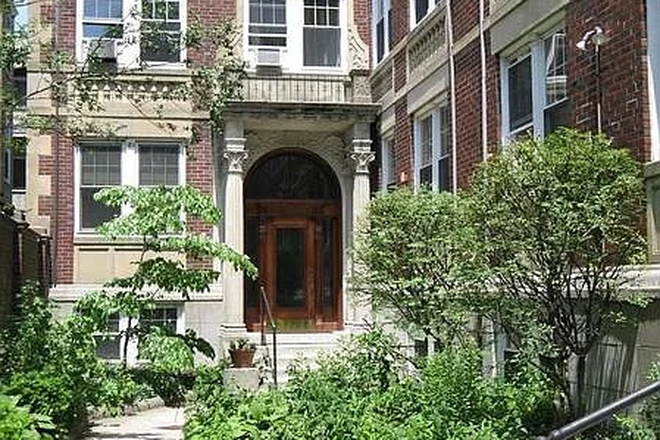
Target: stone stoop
pixel 294 346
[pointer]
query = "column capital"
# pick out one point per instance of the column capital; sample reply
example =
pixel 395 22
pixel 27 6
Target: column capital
pixel 235 160
pixel 362 160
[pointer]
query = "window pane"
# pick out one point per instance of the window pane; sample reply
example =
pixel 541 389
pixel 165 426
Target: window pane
pixel 290 265
pixel 555 68
pixel 103 30
pixel 426 176
pixel 163 317
pixel 160 41
pixel 101 165
pixel 321 47
pixel 380 39
pixel 94 213
pixel 421 6
pixel 443 174
pixel 159 165
pixel 18 182
pixel 108 347
pixel 426 140
pixel 391 163
pixel 555 116
pixel 520 94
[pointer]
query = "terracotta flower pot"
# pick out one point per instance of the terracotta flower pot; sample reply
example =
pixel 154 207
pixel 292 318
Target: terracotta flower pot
pixel 242 358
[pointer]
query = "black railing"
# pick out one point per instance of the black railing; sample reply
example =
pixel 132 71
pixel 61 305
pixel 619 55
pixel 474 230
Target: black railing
pixel 268 315
pixel 602 415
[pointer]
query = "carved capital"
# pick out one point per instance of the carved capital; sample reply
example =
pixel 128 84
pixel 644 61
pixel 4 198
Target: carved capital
pixel 362 160
pixel 235 160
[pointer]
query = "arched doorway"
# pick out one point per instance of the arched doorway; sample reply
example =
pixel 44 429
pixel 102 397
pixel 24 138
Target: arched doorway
pixel 293 234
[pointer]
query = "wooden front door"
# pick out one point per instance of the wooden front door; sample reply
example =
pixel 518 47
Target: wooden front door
pixel 293 235
pixel 288 275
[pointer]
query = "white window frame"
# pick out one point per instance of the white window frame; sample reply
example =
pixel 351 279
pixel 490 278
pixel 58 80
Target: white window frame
pixel 130 169
pixel 388 174
pixel 653 34
pixel 413 11
pixel 258 34
pixel 535 50
pixel 132 355
pixel 128 47
pixel 380 11
pixel 291 55
pixel 436 146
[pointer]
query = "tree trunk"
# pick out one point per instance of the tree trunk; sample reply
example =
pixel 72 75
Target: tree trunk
pixel 579 406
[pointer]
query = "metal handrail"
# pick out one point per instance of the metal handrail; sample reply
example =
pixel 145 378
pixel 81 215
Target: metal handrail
pixel 601 415
pixel 265 304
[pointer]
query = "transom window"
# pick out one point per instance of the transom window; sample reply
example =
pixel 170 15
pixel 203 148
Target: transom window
pixel 321 33
pixel 103 165
pixel 534 88
pixel 267 23
pixel 432 140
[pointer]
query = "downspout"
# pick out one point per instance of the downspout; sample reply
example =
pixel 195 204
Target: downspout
pixel 452 97
pixel 484 97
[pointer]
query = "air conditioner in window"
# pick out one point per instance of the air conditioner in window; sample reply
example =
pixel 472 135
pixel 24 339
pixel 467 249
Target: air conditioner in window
pixel 268 57
pixel 104 49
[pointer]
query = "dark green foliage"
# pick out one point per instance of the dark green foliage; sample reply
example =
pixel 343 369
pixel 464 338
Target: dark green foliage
pixel 413 258
pixel 171 386
pixel 559 220
pixel 365 391
pixel 18 423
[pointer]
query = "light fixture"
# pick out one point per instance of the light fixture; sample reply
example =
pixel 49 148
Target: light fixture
pixel 595 36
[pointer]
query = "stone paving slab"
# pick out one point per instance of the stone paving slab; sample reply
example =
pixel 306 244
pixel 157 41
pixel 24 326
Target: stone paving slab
pixel 155 424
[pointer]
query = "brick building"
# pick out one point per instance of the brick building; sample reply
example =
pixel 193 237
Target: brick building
pixel 289 170
pixel 427 87
pixel 457 78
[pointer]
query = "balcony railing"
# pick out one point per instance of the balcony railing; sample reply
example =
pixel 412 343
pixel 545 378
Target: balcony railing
pixel 303 88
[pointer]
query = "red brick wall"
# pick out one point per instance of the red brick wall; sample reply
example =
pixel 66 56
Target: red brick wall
pixel 199 173
pixel 62 205
pixel 465 16
pixel 403 142
pixel 623 71
pixel 468 112
pixel 362 19
pixel 400 20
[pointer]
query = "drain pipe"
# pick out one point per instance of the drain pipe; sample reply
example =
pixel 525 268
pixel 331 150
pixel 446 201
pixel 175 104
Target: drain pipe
pixel 484 97
pixel 452 97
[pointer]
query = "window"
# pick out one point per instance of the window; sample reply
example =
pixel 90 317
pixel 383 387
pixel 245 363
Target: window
pixel 419 9
pixel 131 31
pixel 534 89
pixel 102 19
pixel 267 25
pixel 383 28
pixel 160 31
pixel 321 33
pixel 100 168
pixel 110 343
pixel 388 179
pixel 432 139
pixel 18 182
pixel 103 165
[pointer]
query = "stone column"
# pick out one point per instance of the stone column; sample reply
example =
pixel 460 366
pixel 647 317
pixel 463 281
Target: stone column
pixel 235 154
pixel 361 155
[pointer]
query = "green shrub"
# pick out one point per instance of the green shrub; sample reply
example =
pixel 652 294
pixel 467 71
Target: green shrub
pixel 18 423
pixel 118 389
pixel 365 391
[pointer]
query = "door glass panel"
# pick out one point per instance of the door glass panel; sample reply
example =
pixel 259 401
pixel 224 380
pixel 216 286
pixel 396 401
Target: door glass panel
pixel 252 250
pixel 328 261
pixel 290 262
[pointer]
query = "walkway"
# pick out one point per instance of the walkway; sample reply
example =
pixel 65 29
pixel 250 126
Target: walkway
pixel 154 424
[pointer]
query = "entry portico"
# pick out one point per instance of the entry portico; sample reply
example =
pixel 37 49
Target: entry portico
pixel 293 185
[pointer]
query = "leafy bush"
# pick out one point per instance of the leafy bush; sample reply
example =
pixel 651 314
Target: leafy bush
pixel 118 389
pixel 18 423
pixel 366 391
pixel 171 386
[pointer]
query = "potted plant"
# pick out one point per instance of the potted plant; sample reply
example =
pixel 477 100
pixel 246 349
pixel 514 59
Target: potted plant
pixel 242 352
